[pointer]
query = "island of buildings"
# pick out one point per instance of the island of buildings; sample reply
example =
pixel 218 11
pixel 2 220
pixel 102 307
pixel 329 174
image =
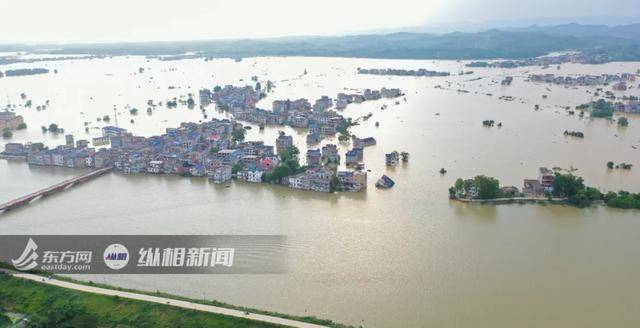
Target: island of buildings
pixel 213 149
pixel 318 118
pixel 24 72
pixel 619 80
pixel 487 188
pixel 400 72
pixel 545 61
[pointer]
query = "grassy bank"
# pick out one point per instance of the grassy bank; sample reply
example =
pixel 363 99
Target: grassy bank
pixel 50 306
pixel 309 319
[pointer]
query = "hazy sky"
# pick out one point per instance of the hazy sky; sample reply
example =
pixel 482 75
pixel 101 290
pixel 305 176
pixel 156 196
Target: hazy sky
pixel 29 21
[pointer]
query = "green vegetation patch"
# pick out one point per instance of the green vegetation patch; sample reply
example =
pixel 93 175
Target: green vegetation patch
pixel 50 306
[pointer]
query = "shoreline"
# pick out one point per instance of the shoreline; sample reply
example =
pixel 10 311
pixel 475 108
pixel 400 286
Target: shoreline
pixel 515 200
pixel 213 306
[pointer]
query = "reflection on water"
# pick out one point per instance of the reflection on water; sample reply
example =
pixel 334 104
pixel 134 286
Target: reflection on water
pixel 406 255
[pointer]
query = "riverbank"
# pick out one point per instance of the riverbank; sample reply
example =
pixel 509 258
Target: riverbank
pixel 46 305
pixel 166 312
pixel 516 200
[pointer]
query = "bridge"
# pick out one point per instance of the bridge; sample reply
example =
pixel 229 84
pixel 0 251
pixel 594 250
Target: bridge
pixel 64 185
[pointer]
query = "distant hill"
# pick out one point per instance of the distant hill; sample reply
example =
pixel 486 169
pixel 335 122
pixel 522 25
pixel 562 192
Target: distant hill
pixel 631 31
pixel 616 42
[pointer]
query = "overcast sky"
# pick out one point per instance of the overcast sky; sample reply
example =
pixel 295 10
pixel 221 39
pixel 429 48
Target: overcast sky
pixel 31 21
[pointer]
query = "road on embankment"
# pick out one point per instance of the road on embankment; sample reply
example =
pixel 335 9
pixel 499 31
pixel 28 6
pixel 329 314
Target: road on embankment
pixel 162 300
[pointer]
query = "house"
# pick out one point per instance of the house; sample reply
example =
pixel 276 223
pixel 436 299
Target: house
pixel 546 178
pixel 250 176
pixel 390 93
pixel 9 120
pixel 322 104
pixel 354 156
pixel 385 182
pixel 101 141
pixel 314 157
pixel 330 154
pixel 82 143
pixel 510 190
pixel 299 181
pixel 283 142
pixel 229 156
pixel 391 159
pixel 69 142
pixel 197 170
pixel 532 187
pixel 507 80
pixel 361 143
pixel 352 180
pixel 314 138
pixel 15 149
pixel 320 179
pixel 221 174
pixel 102 159
pixel 112 131
pixel 155 167
pixel 620 86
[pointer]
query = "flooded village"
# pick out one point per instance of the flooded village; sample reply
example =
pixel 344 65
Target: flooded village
pixel 216 149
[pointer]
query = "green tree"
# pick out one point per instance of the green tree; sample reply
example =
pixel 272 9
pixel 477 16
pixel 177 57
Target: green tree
pixel 623 121
pixel 6 133
pixel 289 158
pixel 610 164
pixel 53 128
pixel 237 168
pixel 458 186
pixel 622 199
pixel 602 108
pixel 281 171
pixel 585 197
pixel 567 185
pixel 487 187
pixel 21 126
pixel 238 135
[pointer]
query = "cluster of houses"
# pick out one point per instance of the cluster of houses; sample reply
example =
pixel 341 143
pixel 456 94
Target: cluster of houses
pixel 401 72
pixel 540 187
pixel 546 61
pixel 299 113
pixel 9 120
pixel 629 106
pixel 202 150
pixel 586 80
pixel 344 99
pixel 393 158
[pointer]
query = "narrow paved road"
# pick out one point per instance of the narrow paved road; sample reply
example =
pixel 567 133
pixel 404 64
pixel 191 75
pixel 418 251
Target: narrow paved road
pixel 163 300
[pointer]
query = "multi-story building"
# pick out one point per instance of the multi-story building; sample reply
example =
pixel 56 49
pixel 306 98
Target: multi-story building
pixel 283 142
pixel 314 157
pixel 330 154
pixel 9 120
